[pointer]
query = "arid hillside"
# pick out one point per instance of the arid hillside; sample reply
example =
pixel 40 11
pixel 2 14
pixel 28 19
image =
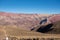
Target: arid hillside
pixel 54 18
pixel 15 33
pixel 52 28
pixel 26 21
pixel 17 26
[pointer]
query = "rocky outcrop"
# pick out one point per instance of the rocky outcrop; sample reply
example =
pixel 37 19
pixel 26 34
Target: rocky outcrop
pixel 52 28
pixel 52 25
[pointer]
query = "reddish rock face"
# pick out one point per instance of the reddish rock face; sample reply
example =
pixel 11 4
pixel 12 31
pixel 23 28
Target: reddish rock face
pixel 26 21
pixel 20 20
pixel 55 18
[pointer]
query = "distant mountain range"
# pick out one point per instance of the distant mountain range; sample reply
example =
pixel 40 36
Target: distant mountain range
pixel 26 21
pixel 21 20
pixel 16 26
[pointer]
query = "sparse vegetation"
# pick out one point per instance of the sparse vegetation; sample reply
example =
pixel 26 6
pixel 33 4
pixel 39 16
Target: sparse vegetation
pixel 19 28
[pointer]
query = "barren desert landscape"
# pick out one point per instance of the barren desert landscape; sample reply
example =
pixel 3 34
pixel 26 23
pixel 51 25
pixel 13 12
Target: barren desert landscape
pixel 29 26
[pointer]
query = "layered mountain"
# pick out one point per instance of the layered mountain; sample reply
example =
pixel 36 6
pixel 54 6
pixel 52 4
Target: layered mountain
pixel 52 26
pixel 55 18
pixel 13 25
pixel 26 21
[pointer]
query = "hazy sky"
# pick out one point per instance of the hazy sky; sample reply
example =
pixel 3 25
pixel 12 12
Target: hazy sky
pixel 30 6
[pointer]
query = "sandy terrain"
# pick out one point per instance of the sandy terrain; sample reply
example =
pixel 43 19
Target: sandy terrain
pixel 18 26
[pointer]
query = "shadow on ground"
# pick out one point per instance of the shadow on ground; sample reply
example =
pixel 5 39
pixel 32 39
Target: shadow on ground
pixel 50 28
